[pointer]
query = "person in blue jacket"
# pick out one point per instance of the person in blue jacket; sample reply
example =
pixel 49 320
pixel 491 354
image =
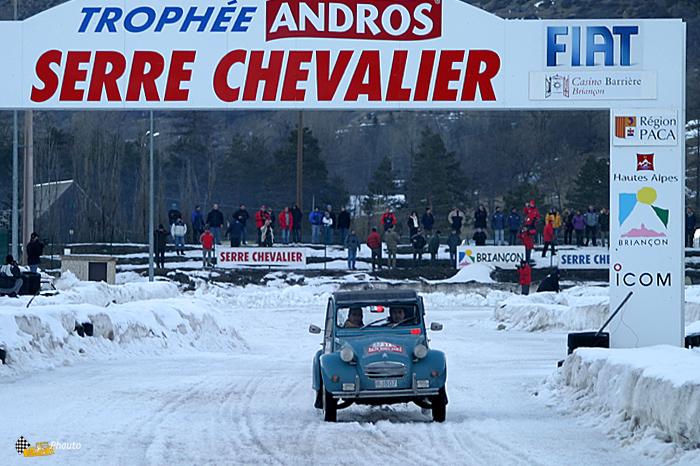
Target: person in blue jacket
pixel 315 219
pixel 498 223
pixel 428 221
pixel 513 222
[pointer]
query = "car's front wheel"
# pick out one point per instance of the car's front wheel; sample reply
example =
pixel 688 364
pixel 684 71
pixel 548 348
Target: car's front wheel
pixel 330 407
pixel 439 406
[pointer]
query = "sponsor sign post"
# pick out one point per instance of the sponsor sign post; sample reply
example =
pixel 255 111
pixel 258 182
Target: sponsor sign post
pixel 393 55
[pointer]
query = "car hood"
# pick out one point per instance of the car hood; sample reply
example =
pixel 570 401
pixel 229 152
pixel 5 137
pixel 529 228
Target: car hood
pixel 378 347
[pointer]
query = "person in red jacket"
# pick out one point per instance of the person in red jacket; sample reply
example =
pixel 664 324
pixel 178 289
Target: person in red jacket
pixel 531 215
pixel 388 220
pixel 260 217
pixel 374 241
pixel 207 240
pixel 286 222
pixel 525 277
pixel 526 237
pixel 549 238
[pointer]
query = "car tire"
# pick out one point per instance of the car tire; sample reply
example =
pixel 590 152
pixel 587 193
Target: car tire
pixel 330 407
pixel 439 406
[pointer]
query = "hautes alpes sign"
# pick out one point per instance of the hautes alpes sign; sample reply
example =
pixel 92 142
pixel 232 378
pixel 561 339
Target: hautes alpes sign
pixel 394 55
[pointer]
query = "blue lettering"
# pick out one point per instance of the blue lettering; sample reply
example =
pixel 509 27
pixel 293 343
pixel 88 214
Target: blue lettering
pixel 588 259
pixel 110 16
pixel 221 18
pixel 171 15
pixel 89 13
pixel 552 46
pixel 625 33
pixel 192 17
pixel 598 39
pixel 150 19
pixel 576 46
pixel 245 16
pixel 605 48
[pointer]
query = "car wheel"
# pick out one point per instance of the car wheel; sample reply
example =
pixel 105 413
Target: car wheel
pixel 330 407
pixel 439 406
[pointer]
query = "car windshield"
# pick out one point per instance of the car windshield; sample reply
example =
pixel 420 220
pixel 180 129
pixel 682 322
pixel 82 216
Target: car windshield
pixel 366 316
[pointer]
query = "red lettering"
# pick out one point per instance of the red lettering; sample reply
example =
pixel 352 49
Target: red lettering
pixel 46 75
pixel 178 74
pixel 107 80
pixel 72 75
pixel 298 258
pixel 221 88
pixel 142 79
pixel 368 66
pixel 294 74
pixel 474 77
pixel 398 69
pixel 256 73
pixel 327 83
pixel 425 75
pixel 447 74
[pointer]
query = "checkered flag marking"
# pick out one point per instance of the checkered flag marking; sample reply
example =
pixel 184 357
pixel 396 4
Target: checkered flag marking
pixel 21 445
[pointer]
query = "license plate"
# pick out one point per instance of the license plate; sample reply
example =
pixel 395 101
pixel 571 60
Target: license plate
pixel 389 383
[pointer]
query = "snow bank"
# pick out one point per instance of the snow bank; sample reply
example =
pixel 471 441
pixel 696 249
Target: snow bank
pixel 649 392
pixel 129 319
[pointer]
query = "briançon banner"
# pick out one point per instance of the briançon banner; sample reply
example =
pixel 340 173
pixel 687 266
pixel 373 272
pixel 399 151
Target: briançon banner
pixel 229 258
pixel 392 55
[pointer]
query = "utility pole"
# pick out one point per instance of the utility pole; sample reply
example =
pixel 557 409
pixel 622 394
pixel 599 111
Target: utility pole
pixel 150 204
pixel 300 156
pixel 28 218
pixel 15 180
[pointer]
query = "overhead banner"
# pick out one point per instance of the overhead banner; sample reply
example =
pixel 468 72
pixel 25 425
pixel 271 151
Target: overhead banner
pixel 326 54
pixel 229 258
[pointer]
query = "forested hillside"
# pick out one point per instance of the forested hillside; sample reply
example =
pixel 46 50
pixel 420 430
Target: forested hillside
pixel 249 157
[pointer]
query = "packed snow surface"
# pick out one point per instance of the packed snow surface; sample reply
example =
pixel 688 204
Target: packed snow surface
pixel 222 375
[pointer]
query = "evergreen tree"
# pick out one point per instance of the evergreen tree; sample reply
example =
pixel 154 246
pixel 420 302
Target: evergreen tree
pixel 382 185
pixel 518 196
pixel 437 181
pixel 592 184
pixel 244 168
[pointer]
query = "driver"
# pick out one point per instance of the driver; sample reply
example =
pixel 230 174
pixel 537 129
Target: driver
pixel 396 315
pixel 354 318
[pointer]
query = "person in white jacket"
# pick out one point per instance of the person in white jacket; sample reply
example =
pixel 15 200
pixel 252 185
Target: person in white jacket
pixel 178 230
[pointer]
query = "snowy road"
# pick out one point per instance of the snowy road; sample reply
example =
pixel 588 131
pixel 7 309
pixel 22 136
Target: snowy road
pixel 254 406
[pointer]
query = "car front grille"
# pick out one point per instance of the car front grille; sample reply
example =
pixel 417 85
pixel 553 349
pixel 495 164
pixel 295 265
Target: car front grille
pixel 385 369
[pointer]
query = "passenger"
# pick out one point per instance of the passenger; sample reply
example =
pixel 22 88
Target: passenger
pixel 396 315
pixel 354 318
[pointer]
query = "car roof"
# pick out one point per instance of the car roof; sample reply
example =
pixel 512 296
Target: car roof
pixel 372 296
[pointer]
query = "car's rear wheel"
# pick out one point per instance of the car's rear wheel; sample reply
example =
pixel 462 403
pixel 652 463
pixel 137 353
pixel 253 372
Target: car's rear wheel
pixel 439 406
pixel 330 407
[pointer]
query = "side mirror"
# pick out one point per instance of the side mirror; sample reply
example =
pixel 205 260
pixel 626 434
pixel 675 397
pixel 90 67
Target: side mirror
pixel 435 327
pixel 314 329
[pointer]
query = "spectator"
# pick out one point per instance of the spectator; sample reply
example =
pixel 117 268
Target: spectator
pixel 480 216
pixel 242 216
pixel 690 222
pixel 271 216
pixel 235 233
pixel 513 226
pixel 413 224
pixel 178 230
pixel 392 239
pixel 579 223
pixel 374 241
pixel 604 223
pixel 267 234
pixel 197 221
pixel 160 243
pixel 173 214
pixel 591 218
pixel 10 277
pixel 532 215
pixel 479 237
pixel 525 277
pixel 388 220
pixel 316 221
pixel 567 221
pixel 35 249
pixel 286 222
pixel 549 237
pixel 296 223
pixel 554 216
pixel 207 240
pixel 215 220
pixel 261 216
pixel 328 228
pixel 418 242
pixel 525 236
pixel 453 240
pixel 428 221
pixel 352 244
pixel 550 282
pixel 498 223
pixel 456 219
pixel 434 247
pixel 334 226
pixel 343 225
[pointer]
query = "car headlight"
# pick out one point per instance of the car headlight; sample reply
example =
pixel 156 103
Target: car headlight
pixel 347 354
pixel 420 351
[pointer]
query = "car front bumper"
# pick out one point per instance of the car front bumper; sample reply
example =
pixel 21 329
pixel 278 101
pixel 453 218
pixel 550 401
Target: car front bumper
pixel 359 393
